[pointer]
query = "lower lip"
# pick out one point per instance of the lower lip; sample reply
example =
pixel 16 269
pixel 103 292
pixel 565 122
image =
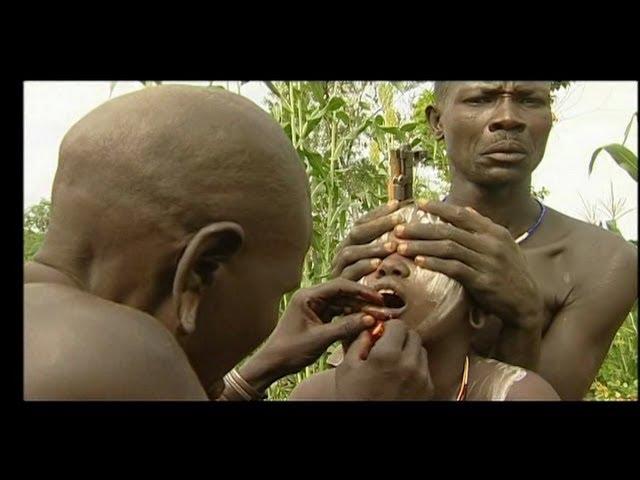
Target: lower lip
pixel 506 156
pixel 391 312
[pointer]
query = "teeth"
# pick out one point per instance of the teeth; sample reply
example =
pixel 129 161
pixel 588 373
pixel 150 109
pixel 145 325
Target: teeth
pixel 387 290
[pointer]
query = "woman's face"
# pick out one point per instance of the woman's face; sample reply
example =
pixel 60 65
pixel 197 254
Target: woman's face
pixel 429 302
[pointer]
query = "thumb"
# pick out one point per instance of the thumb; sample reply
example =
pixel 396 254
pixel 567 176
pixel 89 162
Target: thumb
pixel 359 348
pixel 346 328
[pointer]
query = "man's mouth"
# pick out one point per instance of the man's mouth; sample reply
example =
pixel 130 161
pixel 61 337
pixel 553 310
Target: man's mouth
pixel 391 298
pixel 506 152
pixel 394 303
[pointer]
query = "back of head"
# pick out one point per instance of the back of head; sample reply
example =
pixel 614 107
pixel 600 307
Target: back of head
pixel 161 163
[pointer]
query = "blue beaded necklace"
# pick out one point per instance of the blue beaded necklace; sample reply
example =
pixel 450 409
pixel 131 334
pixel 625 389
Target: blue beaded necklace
pixel 534 227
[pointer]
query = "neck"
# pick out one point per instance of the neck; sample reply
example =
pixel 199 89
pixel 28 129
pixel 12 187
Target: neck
pixel 446 363
pixel 510 205
pixel 131 277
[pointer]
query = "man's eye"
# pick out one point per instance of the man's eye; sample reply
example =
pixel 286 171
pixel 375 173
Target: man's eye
pixel 478 100
pixel 533 101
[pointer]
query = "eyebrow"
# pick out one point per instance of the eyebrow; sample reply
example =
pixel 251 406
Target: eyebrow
pixel 490 87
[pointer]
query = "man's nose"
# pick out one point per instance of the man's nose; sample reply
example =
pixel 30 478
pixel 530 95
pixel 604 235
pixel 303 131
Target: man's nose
pixel 507 117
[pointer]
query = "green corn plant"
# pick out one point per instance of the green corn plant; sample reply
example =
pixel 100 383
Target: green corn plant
pixel 625 158
pixel 618 376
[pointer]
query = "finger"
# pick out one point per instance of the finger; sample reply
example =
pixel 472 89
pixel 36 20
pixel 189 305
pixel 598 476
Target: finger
pixel 359 348
pixel 346 305
pixel 354 253
pixel 378 212
pixel 393 340
pixel 367 232
pixel 463 217
pixel 360 269
pixel 344 328
pixel 451 268
pixel 447 249
pixel 440 231
pixel 339 289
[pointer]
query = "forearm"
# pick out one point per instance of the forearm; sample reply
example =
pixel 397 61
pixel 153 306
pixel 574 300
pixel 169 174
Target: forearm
pixel 570 370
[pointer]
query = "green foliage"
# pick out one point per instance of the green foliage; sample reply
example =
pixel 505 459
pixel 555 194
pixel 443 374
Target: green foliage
pixel 618 376
pixel 333 126
pixel 625 158
pixel 35 224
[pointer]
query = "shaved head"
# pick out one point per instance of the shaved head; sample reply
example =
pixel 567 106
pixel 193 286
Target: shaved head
pixel 168 160
pixel 440 90
pixel 189 204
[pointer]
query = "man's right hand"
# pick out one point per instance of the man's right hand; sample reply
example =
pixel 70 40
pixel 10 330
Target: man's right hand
pixel 305 330
pixel 396 367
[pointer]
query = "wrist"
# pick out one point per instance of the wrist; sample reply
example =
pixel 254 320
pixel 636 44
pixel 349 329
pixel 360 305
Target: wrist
pixel 261 370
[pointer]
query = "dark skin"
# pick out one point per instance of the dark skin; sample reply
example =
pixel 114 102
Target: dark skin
pixel 439 325
pixel 551 304
pixel 164 269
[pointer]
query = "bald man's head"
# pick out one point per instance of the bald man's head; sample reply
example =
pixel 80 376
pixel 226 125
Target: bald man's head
pixel 168 160
pixel 189 204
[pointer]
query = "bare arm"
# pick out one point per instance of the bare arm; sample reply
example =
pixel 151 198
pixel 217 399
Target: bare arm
pixel 581 333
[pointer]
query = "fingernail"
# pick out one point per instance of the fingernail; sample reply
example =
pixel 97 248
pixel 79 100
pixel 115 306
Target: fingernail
pixel 400 229
pixel 375 262
pixel 402 248
pixel 398 219
pixel 393 203
pixel 368 320
pixel 390 246
pixel 471 209
pixel 420 259
pixel 423 203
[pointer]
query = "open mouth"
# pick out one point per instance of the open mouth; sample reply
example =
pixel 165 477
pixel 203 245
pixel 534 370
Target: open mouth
pixel 391 298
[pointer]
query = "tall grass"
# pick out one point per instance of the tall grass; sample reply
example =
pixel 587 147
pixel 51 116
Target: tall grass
pixel 618 376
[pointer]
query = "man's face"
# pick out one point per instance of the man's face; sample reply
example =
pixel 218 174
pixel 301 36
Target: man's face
pixel 429 302
pixel 495 132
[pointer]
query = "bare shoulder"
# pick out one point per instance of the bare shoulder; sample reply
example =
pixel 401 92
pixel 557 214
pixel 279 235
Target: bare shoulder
pixel 596 242
pixel 597 257
pixel 532 387
pixel 78 346
pixel 320 386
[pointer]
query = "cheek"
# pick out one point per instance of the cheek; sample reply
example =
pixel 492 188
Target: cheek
pixel 540 129
pixel 461 135
pixel 419 313
pixel 434 295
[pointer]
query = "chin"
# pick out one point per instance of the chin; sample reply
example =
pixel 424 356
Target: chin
pixel 498 178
